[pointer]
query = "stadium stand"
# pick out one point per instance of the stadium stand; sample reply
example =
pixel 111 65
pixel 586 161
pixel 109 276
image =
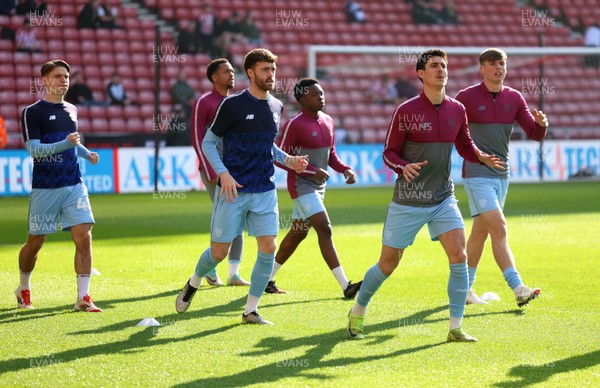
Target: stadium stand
pixel 288 27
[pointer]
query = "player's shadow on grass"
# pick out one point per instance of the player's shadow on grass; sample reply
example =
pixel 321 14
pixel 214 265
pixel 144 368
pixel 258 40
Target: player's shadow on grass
pixel 533 374
pixel 16 315
pixel 323 345
pixel 233 308
pixel 234 305
pixel 138 341
pixel 316 358
pixel 147 337
pixel 134 343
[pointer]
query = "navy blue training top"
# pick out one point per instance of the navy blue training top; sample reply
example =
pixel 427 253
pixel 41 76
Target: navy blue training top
pixel 51 123
pixel 248 127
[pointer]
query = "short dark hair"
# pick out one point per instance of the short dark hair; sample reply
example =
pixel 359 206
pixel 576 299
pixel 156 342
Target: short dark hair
pixel 426 56
pixel 53 64
pixel 492 55
pixel 214 66
pixel 300 87
pixel 258 55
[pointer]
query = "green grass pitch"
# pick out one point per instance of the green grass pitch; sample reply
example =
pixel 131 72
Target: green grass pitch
pixel 146 247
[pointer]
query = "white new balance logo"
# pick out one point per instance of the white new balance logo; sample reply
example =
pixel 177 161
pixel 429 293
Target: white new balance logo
pixel 53 117
pixel 250 117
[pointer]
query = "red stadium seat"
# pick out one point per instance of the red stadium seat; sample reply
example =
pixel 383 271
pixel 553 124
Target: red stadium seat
pixel 135 125
pixel 147 112
pixel 143 59
pixel 144 71
pixel 83 112
pixel 55 46
pixel 23 59
pixel 147 125
pixel 121 47
pixel 145 97
pixel 369 135
pixel 118 35
pixel 26 97
pixel 132 111
pixel 124 69
pixel 89 58
pixel 68 10
pixel 84 125
pixel 100 52
pixel 128 84
pixel 133 35
pixel 117 125
pixel 6 46
pixel 145 84
pixel 14 126
pixel 129 12
pixel 137 46
pixel 149 35
pixel 99 125
pixel 98 112
pixel 16 21
pixel 7 70
pixel 26 83
pixel 115 111
pixel 9 108
pixel 170 14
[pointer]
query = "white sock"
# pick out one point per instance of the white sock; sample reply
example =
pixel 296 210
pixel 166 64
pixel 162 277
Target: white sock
pixel 455 323
pixel 234 268
pixel 195 281
pixel 25 280
pixel 276 268
pixel 359 310
pixel 340 276
pixel 251 304
pixel 83 285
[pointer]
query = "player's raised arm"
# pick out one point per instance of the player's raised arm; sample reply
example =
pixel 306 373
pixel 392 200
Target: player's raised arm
pixel 37 148
pixel 534 125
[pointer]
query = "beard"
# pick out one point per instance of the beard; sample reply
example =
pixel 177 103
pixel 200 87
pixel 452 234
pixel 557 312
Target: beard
pixel 262 84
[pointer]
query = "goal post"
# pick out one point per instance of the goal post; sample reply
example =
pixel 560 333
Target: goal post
pixel 314 50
